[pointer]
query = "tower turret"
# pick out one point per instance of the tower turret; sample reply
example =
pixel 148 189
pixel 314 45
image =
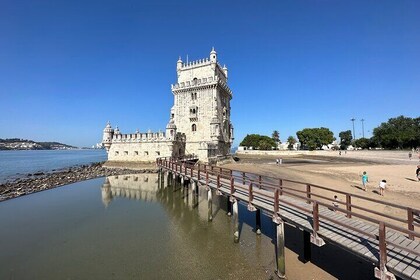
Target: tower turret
pixel 213 56
pixel 171 130
pixel 179 64
pixel 107 136
pixel 225 70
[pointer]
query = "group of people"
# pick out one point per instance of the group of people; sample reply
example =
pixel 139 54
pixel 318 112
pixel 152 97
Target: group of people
pixel 365 180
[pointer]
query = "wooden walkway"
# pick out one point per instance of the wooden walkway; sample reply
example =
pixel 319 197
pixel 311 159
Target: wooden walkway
pixel 383 244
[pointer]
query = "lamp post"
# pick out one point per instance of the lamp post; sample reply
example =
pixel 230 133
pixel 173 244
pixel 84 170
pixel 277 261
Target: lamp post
pixel 363 128
pixel 354 135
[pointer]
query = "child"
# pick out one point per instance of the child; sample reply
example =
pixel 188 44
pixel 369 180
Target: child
pixel 418 173
pixel 365 180
pixel 382 186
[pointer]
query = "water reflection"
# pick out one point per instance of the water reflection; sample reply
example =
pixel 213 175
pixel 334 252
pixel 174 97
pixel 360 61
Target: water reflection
pixel 140 187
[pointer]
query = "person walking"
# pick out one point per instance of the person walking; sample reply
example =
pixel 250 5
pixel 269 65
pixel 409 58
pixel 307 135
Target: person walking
pixel 382 186
pixel 365 180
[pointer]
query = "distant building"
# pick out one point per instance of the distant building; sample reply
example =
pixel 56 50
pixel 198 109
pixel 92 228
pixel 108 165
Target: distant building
pixel 199 121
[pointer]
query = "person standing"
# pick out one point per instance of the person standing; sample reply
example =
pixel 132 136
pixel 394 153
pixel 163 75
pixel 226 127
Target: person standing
pixel 382 186
pixel 365 180
pixel 418 173
pixel 410 154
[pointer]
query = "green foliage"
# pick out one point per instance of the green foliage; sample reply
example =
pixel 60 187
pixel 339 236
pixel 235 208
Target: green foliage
pixel 400 132
pixel 315 138
pixel 363 143
pixel 345 139
pixel 291 140
pixel 276 136
pixel 258 142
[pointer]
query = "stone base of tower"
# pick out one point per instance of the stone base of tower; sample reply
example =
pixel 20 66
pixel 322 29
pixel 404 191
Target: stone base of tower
pixel 208 152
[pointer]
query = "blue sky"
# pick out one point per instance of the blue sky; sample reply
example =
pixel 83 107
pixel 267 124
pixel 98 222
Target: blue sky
pixel 67 67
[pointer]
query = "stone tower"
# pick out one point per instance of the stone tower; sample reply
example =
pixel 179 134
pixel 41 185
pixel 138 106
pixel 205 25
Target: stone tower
pixel 202 107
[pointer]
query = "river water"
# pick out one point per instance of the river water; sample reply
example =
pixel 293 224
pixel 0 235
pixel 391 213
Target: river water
pixel 14 164
pixel 132 227
pixel 127 227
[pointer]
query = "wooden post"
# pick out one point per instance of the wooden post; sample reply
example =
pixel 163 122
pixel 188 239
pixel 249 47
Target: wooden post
pixel 243 178
pixel 348 205
pixel 276 217
pixel 382 249
pixel 259 181
pixel 308 193
pixel 235 221
pixel 281 186
pixel 315 218
pixel 410 220
pixel 280 257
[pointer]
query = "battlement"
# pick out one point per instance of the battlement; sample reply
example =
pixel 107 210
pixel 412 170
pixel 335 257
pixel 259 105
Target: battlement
pixel 210 81
pixel 139 137
pixel 196 63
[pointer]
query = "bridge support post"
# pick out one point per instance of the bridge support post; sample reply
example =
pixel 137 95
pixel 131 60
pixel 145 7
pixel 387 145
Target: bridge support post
pixel 210 205
pixel 307 246
pixel 229 207
pixel 280 253
pixel 235 211
pixel 168 179
pixel 162 179
pixel 258 221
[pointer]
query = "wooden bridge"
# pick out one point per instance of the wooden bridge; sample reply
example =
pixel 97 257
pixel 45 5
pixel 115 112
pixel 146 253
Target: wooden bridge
pixel 391 243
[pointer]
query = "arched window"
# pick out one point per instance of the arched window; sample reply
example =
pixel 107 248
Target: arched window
pixel 194 82
pixel 194 127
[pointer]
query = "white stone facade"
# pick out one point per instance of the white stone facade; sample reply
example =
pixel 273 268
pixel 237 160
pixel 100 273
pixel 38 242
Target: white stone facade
pixel 199 123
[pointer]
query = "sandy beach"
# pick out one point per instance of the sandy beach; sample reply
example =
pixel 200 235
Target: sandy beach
pixel 342 173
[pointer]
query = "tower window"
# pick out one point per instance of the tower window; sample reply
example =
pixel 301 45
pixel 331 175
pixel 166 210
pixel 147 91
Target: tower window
pixel 194 82
pixel 146 153
pixel 194 96
pixel 194 127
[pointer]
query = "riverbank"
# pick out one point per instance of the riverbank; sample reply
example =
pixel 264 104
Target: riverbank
pixel 39 181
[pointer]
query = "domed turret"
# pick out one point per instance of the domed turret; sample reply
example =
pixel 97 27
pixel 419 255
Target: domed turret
pixel 171 130
pixel 225 70
pixel 117 130
pixel 107 136
pixel 213 55
pixel 179 64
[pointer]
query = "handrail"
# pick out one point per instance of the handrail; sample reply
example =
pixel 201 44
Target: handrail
pixel 261 182
pixel 226 178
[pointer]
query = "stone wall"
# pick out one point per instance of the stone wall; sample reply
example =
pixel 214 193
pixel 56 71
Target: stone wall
pixel 143 152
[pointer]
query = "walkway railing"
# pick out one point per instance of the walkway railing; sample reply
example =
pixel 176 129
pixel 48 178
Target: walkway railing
pixel 275 190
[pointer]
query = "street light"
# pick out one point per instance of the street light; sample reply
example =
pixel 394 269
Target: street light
pixel 363 128
pixel 354 135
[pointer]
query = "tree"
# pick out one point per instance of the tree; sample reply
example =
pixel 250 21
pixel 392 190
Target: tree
pixel 363 143
pixel 292 141
pixel 258 142
pixel 315 138
pixel 276 136
pixel 345 139
pixel 400 132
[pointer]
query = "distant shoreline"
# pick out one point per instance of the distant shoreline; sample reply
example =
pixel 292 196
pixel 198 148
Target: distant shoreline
pixel 39 181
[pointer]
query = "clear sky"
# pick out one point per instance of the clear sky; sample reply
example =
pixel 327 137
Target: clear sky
pixel 67 67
